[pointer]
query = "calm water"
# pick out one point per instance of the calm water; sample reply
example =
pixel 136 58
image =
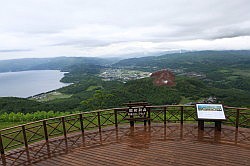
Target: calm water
pixel 29 83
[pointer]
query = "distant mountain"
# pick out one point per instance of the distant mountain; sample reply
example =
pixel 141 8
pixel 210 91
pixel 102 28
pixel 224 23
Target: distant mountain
pixel 59 63
pixel 148 53
pixel 196 60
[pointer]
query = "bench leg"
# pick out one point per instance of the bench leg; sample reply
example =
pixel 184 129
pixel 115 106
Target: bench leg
pixel 132 123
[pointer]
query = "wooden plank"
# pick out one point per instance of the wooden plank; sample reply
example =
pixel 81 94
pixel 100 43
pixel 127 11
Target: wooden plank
pixel 145 145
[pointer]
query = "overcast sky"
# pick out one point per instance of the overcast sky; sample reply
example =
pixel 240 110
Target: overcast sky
pixel 104 28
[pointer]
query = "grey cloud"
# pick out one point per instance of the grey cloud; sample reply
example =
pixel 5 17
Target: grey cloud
pixel 92 24
pixel 15 50
pixel 82 43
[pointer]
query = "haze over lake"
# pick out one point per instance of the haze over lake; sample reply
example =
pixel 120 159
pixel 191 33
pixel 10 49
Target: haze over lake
pixel 29 83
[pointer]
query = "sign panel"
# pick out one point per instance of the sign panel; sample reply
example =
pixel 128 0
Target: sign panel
pixel 210 111
pixel 140 111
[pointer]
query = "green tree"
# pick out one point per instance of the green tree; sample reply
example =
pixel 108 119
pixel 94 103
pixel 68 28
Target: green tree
pixel 98 101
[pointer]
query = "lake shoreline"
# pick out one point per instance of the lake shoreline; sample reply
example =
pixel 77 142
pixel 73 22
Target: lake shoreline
pixel 25 84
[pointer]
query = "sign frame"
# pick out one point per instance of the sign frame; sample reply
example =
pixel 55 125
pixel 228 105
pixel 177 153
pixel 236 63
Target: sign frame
pixel 213 112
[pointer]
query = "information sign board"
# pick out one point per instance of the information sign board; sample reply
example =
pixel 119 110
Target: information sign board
pixel 210 112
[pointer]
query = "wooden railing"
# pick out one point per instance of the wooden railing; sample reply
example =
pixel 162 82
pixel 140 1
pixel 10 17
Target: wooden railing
pixel 62 127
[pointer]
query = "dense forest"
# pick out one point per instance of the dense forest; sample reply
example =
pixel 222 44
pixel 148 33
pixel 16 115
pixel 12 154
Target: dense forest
pixel 225 76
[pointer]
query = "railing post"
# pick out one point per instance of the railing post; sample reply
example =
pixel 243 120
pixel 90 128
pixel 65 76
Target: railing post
pixel 46 137
pixel 182 114
pixel 149 116
pixel 25 141
pixel 81 122
pixel 99 121
pixel 82 128
pixel 65 133
pixel 64 128
pixel 99 126
pixel 2 151
pixel 24 137
pixel 165 115
pixel 116 120
pixel 237 118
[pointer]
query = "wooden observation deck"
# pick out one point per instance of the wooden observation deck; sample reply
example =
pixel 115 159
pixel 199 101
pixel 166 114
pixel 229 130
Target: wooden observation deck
pixel 106 138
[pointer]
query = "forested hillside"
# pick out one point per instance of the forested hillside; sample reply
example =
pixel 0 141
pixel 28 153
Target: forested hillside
pixel 225 72
pixel 191 61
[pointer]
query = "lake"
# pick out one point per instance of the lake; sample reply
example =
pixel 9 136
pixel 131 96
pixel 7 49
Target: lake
pixel 29 83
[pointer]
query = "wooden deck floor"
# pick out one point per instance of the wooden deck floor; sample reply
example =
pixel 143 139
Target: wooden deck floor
pixel 152 145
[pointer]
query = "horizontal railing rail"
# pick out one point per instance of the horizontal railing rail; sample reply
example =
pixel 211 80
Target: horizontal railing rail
pixel 47 129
